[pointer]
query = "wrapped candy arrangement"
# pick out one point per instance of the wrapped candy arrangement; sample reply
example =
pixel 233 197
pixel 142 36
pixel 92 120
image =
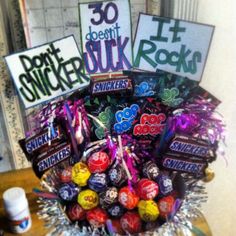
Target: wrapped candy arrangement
pixel 129 152
pixel 125 165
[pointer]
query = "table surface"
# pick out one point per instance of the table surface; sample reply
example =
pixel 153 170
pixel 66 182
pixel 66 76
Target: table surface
pixel 26 179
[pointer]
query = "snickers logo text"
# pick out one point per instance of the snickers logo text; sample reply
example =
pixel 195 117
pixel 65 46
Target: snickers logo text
pixel 54 158
pixel 40 140
pixel 189 148
pixel 111 86
pixel 182 165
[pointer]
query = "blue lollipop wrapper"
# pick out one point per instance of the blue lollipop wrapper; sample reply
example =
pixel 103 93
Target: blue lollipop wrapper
pixel 68 191
pixel 98 182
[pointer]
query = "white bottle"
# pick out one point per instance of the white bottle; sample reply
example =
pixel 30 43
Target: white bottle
pixel 17 209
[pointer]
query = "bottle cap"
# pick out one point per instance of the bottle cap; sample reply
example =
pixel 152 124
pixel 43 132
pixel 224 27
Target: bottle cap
pixel 14 196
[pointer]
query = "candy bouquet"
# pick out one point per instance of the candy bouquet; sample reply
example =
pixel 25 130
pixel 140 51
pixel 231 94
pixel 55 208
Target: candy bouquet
pixel 130 158
pixel 128 151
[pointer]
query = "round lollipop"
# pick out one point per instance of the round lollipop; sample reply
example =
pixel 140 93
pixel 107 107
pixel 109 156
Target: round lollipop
pixel 108 197
pixel 165 184
pixel 165 206
pixel 98 162
pixel 97 217
pixel 117 175
pixel 209 175
pixel 80 174
pixel 147 189
pixel 131 222
pixel 88 199
pixel 98 182
pixel 116 226
pixel 148 210
pixel 66 175
pixel 76 212
pixel 150 170
pixel 68 191
pixel 116 210
pixel 128 198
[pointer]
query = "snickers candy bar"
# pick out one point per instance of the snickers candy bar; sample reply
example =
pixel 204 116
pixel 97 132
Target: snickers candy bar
pixel 118 85
pixel 54 156
pixel 31 145
pixel 186 145
pixel 195 167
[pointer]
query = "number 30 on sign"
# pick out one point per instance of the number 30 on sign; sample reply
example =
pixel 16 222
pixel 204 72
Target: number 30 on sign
pixel 106 36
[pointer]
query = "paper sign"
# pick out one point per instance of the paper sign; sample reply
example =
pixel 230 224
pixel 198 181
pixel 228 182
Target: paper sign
pixel 171 45
pixel 106 36
pixel 48 71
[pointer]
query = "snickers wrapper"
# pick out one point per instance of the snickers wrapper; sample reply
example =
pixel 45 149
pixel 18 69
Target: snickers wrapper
pixel 122 85
pixel 194 167
pixel 193 148
pixel 32 146
pixel 51 158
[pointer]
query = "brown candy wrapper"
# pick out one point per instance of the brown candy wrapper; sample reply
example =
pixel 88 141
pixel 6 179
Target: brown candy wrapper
pixel 119 86
pixel 55 155
pixel 195 167
pixel 190 148
pixel 33 145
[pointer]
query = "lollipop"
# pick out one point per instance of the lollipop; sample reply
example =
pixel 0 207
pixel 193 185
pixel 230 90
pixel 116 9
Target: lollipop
pixel 76 212
pixel 97 217
pixel 88 199
pixel 116 210
pixel 209 175
pixel 68 191
pixel 98 162
pixel 165 206
pixel 128 198
pixel 147 189
pixel 117 175
pixel 66 175
pixel 116 226
pixel 131 222
pixel 150 170
pixel 98 182
pixel 108 197
pixel 165 184
pixel 148 210
pixel 80 174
